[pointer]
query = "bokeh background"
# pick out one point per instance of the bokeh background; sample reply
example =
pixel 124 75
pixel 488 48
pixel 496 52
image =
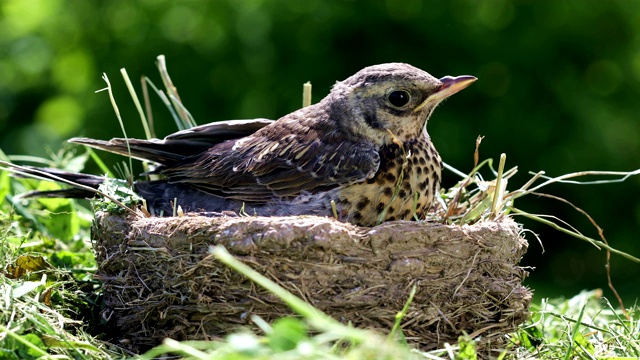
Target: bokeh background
pixel 558 88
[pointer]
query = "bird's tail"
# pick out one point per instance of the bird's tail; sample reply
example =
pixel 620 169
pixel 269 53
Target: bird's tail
pixel 83 186
pixel 146 150
pixel 175 147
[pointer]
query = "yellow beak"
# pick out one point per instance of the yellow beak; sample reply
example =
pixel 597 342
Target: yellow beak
pixel 450 86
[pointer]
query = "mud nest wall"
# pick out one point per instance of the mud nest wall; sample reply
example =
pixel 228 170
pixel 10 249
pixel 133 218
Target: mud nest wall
pixel 159 279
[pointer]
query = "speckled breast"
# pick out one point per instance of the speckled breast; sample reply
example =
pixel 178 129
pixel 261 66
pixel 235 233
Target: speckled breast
pixel 404 186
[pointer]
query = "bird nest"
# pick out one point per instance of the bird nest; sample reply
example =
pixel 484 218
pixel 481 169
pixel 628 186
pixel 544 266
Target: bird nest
pixel 160 280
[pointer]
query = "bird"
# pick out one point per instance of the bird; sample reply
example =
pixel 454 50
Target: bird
pixel 361 154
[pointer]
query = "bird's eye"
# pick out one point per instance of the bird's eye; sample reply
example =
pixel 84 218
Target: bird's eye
pixel 399 98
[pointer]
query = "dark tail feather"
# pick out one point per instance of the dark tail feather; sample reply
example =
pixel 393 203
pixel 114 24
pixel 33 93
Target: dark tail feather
pixel 145 150
pixel 62 193
pixel 81 183
pixel 175 147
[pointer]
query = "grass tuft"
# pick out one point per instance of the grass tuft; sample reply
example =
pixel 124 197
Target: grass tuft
pixel 50 300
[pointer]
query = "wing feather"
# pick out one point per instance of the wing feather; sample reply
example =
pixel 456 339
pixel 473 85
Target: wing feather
pixel 257 168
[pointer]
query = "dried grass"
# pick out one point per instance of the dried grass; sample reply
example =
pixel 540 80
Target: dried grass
pixel 160 280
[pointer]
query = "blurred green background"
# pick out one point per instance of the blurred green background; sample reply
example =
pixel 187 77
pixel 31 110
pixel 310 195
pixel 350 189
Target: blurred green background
pixel 558 89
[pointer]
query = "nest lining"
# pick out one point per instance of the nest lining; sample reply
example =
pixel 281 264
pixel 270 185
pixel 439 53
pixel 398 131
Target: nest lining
pixel 159 279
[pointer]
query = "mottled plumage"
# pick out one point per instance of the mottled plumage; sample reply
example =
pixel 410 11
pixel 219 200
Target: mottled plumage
pixel 364 146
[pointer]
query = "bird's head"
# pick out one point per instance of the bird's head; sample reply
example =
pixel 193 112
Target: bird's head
pixel 390 102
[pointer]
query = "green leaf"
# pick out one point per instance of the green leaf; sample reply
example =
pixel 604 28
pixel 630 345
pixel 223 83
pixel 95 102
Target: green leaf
pixel 69 259
pixel 530 337
pixel 467 349
pixel 8 354
pixel 50 203
pixel 31 352
pixel 62 222
pixel 26 264
pixel 287 333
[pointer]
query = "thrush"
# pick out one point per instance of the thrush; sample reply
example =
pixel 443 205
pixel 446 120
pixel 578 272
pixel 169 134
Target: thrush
pixel 362 153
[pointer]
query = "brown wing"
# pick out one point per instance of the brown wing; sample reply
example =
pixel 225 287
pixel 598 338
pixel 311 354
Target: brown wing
pixel 256 168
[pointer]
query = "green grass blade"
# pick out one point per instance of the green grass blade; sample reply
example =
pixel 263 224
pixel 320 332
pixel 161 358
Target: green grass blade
pixel 136 101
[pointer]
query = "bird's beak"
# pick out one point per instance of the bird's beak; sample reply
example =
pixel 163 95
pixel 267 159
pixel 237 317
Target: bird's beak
pixel 450 86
